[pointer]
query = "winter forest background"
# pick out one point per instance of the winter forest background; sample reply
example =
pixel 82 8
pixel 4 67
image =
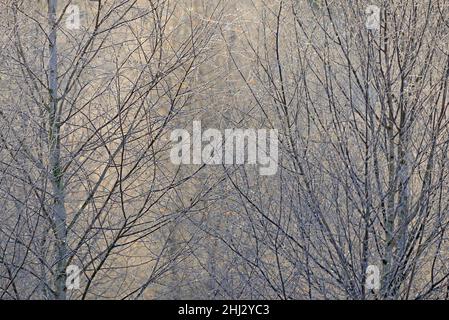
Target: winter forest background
pixel 85 172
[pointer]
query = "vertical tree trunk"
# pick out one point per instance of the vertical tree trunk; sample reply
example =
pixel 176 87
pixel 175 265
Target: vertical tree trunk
pixel 56 175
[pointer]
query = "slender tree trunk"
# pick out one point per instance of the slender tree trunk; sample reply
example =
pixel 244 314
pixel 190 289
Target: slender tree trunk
pixel 59 211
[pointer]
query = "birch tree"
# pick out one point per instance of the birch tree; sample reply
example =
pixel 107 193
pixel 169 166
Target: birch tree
pixel 86 116
pixel 364 144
